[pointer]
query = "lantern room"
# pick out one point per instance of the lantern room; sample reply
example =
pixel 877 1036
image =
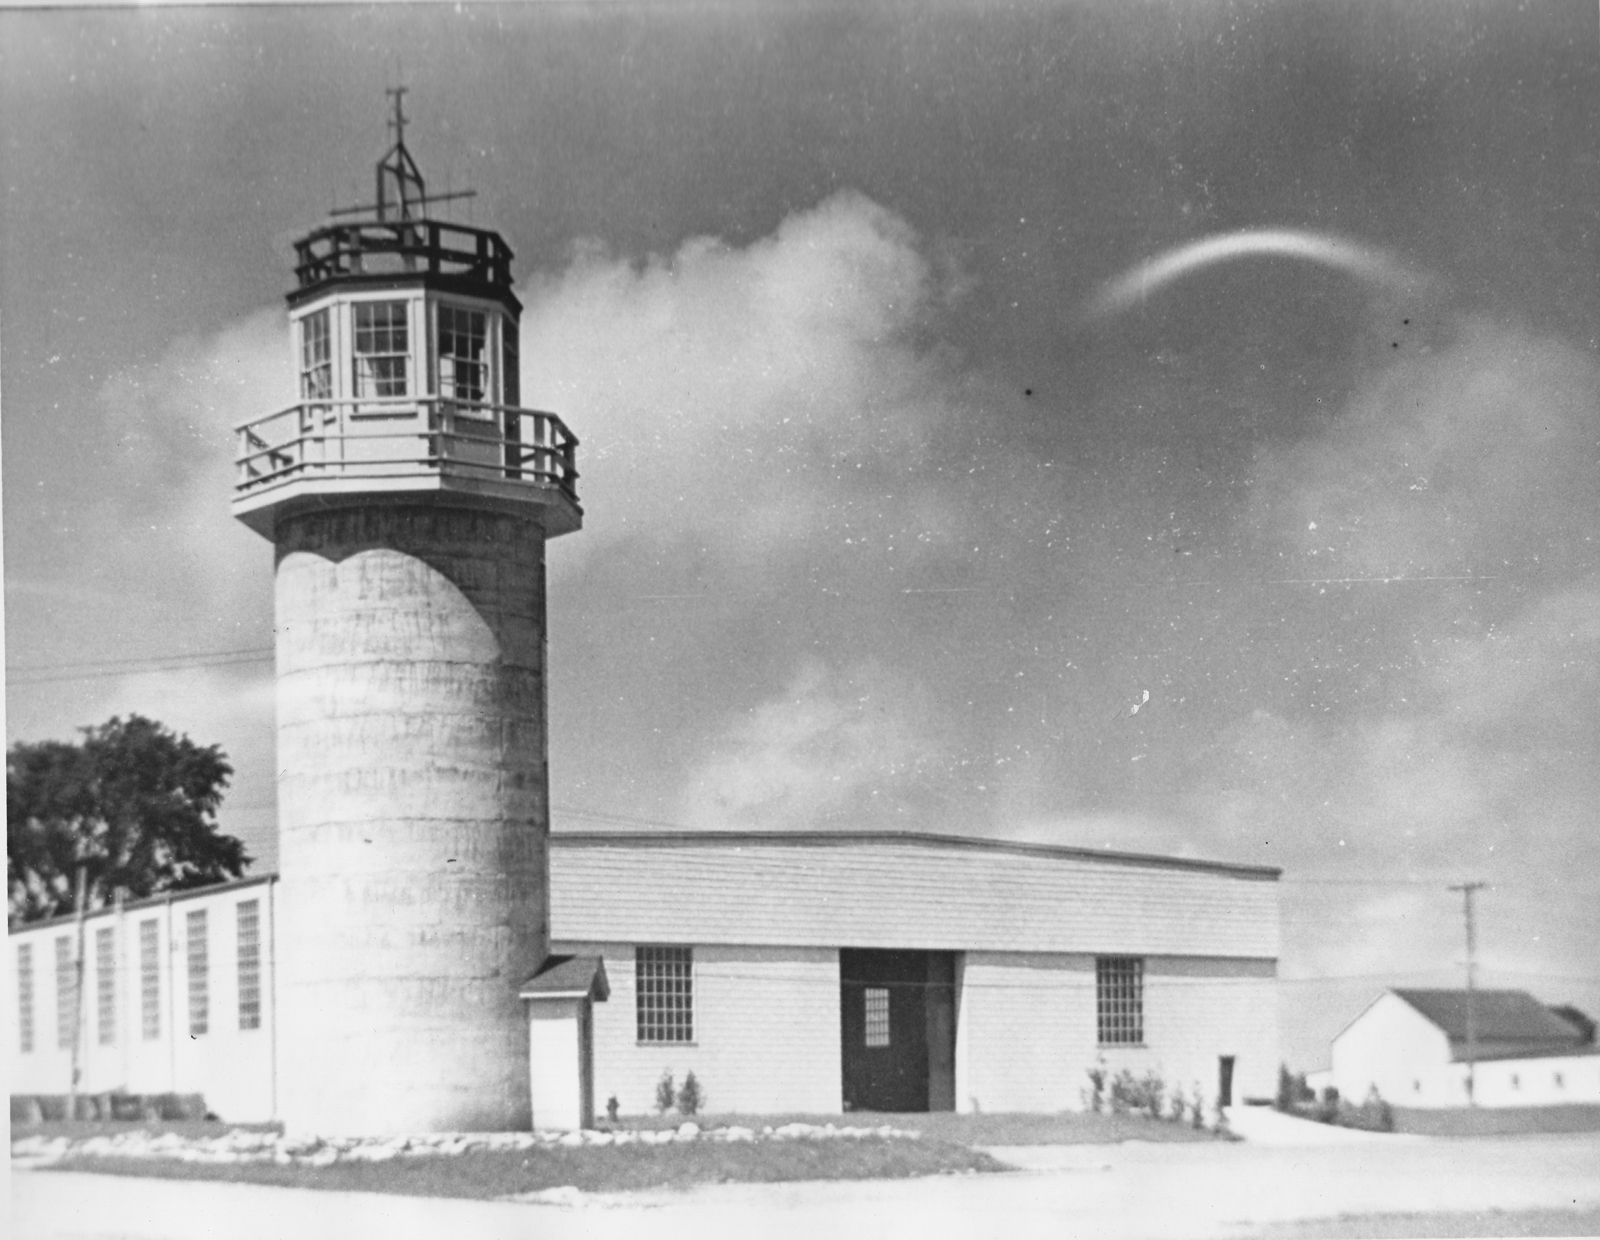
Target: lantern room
pixel 405 338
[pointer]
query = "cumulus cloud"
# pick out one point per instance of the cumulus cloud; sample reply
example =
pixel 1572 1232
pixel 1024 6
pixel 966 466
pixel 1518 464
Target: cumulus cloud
pixel 751 398
pixel 832 750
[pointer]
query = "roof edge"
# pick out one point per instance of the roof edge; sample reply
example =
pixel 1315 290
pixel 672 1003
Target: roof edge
pixel 108 910
pixel 976 843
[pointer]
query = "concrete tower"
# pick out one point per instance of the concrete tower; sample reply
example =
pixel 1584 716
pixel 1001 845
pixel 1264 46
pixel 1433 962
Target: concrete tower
pixel 409 498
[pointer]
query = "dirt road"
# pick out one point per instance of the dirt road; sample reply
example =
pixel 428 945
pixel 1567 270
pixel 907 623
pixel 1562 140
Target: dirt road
pixel 1123 1190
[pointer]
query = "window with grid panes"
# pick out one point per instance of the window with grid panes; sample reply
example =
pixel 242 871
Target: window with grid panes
pixel 664 994
pixel 149 979
pixel 105 984
pixel 199 973
pixel 1119 999
pixel 66 993
pixel 25 998
pixel 316 357
pixel 876 999
pixel 463 358
pixel 249 913
pixel 382 348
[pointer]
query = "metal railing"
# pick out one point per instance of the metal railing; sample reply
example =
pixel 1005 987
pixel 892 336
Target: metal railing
pixel 424 246
pixel 405 438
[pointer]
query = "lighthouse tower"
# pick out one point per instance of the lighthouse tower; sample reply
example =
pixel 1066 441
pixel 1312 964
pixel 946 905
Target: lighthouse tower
pixel 408 497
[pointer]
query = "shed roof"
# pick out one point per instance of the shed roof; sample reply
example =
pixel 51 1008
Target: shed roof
pixel 1498 1016
pixel 568 977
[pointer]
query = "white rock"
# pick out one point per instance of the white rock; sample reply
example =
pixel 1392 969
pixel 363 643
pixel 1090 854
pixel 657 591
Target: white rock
pixel 688 1131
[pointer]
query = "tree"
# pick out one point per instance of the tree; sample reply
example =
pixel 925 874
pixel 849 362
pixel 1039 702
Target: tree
pixel 135 804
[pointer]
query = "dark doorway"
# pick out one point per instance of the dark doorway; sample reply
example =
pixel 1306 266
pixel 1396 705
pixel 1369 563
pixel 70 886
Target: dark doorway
pixel 898 1029
pixel 1225 1081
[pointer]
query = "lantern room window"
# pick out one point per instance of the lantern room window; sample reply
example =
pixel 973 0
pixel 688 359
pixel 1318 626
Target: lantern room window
pixel 316 357
pixel 463 359
pixel 382 348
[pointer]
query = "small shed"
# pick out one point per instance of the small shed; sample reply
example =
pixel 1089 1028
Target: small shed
pixel 560 999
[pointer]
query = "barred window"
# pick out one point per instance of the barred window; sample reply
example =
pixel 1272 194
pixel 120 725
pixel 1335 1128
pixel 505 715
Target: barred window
pixel 876 999
pixel 382 348
pixel 316 357
pixel 66 993
pixel 665 993
pixel 199 981
pixel 463 361
pixel 105 984
pixel 25 998
pixel 149 979
pixel 1119 999
pixel 249 964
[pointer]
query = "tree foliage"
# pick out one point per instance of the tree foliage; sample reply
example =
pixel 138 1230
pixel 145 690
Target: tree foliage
pixel 134 803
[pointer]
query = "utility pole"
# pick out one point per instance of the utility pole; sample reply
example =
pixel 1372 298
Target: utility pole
pixel 80 908
pixel 1466 890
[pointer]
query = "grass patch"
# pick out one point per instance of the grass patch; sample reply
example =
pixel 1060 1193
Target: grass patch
pixel 1466 1223
pixel 1067 1128
pixel 81 1129
pixel 593 1169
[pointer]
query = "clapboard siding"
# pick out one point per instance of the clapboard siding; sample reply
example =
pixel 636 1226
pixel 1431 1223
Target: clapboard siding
pixel 1029 1037
pixel 921 892
pixel 766 1026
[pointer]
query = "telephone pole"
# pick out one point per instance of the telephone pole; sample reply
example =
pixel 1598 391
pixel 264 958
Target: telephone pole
pixel 1466 890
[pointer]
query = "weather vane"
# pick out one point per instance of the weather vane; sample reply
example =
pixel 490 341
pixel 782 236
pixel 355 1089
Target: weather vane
pixel 400 187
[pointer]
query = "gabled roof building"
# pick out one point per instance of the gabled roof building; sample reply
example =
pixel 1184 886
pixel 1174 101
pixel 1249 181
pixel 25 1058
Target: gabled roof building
pixel 1444 1048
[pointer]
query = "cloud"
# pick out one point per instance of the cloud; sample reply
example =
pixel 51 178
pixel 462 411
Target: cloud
pixel 1479 460
pixel 832 750
pixel 752 399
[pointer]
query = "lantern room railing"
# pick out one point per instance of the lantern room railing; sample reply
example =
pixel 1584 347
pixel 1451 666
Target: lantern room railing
pixel 405 438
pixel 422 247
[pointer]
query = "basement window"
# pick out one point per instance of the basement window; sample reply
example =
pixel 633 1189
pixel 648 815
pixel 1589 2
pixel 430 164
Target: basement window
pixel 1119 1000
pixel 877 1015
pixel 664 994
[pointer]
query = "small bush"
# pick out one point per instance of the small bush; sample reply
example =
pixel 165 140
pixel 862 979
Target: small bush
pixel 1197 1108
pixel 1094 1098
pixel 1293 1092
pixel 666 1093
pixel 691 1098
pixel 612 1108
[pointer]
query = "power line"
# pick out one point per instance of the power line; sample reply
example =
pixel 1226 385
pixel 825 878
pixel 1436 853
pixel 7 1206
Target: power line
pixel 89 669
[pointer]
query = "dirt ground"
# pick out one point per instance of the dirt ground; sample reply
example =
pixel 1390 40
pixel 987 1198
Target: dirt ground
pixel 1376 1187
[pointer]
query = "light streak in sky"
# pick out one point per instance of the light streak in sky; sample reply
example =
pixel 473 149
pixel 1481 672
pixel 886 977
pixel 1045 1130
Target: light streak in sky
pixel 1364 262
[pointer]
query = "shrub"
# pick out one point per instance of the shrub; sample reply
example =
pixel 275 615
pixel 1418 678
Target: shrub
pixel 691 1098
pixel 666 1093
pixel 1293 1092
pixel 1197 1108
pixel 1094 1098
pixel 612 1107
pixel 1152 1093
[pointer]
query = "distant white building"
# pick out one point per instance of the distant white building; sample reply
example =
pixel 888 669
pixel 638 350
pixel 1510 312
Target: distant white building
pixel 817 972
pixel 1412 1046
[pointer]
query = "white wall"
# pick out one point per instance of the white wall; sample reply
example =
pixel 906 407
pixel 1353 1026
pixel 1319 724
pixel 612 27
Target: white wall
pixel 1393 1047
pixel 232 1067
pixel 766 1029
pixel 1029 1036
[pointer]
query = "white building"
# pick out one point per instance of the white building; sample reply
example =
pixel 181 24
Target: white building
pixel 1413 1047
pixel 814 972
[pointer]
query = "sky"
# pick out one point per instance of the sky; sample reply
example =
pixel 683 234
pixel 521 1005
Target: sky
pixel 930 482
